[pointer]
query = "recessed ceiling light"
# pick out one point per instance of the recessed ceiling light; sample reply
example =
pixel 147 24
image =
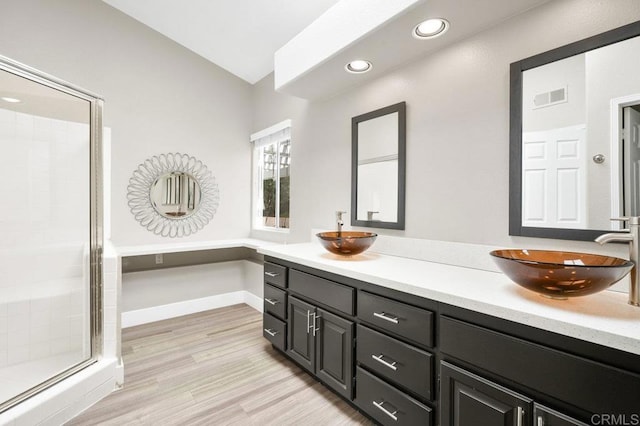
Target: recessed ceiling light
pixel 431 28
pixel 358 66
pixel 10 100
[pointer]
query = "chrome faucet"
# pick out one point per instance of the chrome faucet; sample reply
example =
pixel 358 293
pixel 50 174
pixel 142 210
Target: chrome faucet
pixel 632 236
pixel 339 221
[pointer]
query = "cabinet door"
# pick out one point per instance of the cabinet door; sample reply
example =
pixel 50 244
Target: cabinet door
pixel 544 416
pixel 334 352
pixel 301 342
pixel 469 400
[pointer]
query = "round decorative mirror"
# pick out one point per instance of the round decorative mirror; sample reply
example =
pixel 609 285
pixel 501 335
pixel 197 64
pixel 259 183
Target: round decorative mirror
pixel 173 195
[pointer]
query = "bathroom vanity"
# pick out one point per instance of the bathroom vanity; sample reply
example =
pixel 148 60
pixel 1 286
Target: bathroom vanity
pixel 412 342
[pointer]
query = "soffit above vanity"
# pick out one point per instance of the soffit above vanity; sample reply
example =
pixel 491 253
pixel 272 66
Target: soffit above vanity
pixel 312 64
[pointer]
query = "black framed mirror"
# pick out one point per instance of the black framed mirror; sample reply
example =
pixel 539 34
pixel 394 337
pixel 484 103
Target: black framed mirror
pixel 574 160
pixel 378 168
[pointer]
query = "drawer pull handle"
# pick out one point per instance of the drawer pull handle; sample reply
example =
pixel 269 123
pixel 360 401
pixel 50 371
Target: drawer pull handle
pixel 386 317
pixel 271 301
pixel 379 405
pixel 270 332
pixel 271 274
pixel 380 359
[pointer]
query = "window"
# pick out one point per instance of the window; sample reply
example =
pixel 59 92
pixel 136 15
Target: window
pixel 271 176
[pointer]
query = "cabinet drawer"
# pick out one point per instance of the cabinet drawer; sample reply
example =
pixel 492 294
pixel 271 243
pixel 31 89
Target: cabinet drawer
pixel 386 404
pixel 274 331
pixel 275 301
pixel 396 361
pixel 327 292
pixel 399 318
pixel 275 274
pixel 578 381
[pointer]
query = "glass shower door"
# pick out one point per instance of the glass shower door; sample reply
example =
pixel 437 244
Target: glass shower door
pixel 49 231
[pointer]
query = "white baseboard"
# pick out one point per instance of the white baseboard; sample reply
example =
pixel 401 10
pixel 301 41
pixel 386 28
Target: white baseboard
pixel 172 310
pixel 254 301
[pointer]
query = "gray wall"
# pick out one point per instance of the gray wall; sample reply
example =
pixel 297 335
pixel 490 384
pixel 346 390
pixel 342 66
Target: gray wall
pixel 159 97
pixel 457 128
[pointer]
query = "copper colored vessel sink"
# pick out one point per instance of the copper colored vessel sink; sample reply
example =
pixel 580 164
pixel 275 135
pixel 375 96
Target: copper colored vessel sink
pixel 346 243
pixel 561 274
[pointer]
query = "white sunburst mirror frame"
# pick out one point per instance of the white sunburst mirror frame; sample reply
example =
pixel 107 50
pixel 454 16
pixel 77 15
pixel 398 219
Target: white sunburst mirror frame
pixel 145 177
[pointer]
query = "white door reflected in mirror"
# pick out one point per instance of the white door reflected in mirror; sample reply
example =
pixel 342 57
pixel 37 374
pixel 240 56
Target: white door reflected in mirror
pixel 572 110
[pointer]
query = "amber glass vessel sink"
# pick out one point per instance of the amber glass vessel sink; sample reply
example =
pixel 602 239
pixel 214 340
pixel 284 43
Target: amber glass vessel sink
pixel 346 243
pixel 561 274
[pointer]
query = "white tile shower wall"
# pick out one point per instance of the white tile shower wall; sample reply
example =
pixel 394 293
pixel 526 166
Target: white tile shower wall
pixel 42 294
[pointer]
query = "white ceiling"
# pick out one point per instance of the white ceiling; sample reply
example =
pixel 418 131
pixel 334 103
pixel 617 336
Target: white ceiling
pixel 306 68
pixel 240 36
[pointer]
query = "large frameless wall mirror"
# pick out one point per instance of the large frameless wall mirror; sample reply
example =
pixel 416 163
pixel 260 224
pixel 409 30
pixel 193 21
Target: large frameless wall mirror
pixel 51 227
pixel 575 137
pixel 378 148
pixel 173 195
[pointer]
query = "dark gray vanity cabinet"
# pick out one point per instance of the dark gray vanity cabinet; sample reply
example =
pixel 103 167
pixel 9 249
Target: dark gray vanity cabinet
pixel 322 343
pixel 406 360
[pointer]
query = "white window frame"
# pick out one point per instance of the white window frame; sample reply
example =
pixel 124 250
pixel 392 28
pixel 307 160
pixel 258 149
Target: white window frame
pixel 277 133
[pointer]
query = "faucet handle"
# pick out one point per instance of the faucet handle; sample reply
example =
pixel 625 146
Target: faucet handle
pixel 633 220
pixel 339 214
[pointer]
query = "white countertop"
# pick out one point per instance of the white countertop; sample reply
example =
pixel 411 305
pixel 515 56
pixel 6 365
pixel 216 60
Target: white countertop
pixel 604 318
pixel 175 247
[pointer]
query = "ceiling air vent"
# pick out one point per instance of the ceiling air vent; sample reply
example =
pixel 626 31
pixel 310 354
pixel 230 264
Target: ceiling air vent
pixel 553 97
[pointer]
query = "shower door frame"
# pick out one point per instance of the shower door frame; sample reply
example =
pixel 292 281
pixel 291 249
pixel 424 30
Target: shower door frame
pixel 96 103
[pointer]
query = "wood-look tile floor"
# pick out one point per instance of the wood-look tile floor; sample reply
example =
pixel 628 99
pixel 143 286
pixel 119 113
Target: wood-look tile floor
pixel 214 368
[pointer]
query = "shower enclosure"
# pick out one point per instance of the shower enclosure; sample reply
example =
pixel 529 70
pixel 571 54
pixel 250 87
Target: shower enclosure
pixel 50 231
